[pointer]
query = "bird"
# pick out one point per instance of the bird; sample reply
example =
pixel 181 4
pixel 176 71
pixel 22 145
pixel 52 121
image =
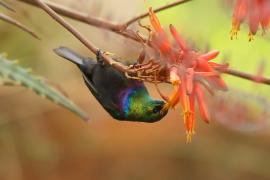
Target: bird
pixel 123 98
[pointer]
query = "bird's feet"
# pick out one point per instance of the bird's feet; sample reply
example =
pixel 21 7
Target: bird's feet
pixel 99 56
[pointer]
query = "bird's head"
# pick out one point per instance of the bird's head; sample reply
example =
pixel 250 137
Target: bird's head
pixel 140 107
pixel 147 111
pixel 152 111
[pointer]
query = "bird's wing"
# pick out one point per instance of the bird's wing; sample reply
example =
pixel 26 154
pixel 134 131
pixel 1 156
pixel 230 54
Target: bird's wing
pixel 107 104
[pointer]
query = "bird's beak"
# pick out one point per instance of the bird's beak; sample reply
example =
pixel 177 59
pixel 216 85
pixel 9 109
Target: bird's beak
pixel 165 108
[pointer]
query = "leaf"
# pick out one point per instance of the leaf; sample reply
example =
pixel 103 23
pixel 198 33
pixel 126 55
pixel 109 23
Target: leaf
pixel 10 71
pixel 7 82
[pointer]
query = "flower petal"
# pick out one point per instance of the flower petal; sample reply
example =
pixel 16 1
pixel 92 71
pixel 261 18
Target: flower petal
pixel 201 101
pixel 210 55
pixel 190 80
pixel 190 119
pixel 154 21
pixel 160 39
pixel 180 41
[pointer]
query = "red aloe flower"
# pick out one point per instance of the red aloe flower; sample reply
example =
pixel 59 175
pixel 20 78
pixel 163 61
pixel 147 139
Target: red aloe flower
pixel 255 12
pixel 161 40
pixel 190 71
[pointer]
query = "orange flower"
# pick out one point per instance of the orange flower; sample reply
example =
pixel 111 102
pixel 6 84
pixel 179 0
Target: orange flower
pixel 255 12
pixel 190 71
pixel 161 41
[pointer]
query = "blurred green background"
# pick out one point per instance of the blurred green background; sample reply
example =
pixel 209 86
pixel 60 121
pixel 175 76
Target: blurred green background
pixel 39 140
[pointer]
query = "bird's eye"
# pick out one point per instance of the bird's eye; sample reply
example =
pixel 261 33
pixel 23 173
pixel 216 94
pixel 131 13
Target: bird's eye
pixel 157 109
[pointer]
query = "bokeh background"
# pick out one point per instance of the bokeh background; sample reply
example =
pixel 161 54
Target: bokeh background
pixel 40 140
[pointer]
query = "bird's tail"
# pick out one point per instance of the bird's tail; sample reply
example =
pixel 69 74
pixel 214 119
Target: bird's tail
pixel 70 55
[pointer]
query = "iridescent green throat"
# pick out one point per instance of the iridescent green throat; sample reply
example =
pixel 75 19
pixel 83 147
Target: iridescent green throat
pixel 138 105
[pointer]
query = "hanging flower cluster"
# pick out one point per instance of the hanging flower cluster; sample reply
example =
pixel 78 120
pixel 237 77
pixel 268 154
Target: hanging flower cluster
pixel 190 72
pixel 255 12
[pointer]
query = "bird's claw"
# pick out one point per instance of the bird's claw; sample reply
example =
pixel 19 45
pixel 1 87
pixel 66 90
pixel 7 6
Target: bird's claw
pixel 99 56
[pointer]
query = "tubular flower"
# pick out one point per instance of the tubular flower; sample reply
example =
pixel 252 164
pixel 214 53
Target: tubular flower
pixel 255 12
pixel 190 72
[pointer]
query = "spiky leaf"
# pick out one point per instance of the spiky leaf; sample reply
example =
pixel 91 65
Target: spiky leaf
pixel 12 73
pixel 7 82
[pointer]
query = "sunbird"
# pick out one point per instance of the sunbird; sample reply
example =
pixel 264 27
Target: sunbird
pixel 123 98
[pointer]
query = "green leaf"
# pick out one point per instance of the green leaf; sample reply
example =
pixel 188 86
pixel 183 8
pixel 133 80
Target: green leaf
pixel 7 82
pixel 12 73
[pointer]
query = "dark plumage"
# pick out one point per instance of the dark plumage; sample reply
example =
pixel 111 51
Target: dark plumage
pixel 123 98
